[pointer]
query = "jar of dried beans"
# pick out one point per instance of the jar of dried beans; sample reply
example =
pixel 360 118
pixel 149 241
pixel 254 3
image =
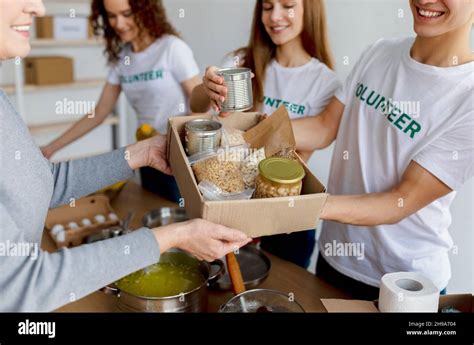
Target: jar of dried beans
pixel 279 177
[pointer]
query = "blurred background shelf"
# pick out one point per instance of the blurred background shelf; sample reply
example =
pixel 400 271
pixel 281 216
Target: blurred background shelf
pixel 78 84
pixel 41 129
pixel 43 42
pixel 38 104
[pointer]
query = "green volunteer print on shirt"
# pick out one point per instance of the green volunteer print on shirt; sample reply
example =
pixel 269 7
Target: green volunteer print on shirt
pixel 394 115
pixel 141 77
pixel 276 103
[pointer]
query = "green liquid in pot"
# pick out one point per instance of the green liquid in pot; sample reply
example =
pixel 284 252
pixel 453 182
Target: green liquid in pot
pixel 176 273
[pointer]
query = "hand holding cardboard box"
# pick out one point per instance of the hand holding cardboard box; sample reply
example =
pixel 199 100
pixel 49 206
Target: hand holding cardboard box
pixel 256 217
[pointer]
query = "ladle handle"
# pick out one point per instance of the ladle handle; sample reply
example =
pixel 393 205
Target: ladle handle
pixel 235 274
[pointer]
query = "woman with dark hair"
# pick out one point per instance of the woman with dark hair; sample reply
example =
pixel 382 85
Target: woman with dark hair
pixel 290 56
pixel 149 62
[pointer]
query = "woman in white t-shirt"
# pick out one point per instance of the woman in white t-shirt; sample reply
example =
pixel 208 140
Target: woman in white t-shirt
pixel 150 63
pixel 290 57
pixel 403 125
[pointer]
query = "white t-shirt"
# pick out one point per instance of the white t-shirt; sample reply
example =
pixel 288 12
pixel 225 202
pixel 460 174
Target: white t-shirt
pixel 304 90
pixel 151 79
pixel 433 126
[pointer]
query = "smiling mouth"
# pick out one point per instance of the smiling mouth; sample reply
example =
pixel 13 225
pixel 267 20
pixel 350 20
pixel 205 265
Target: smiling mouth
pixel 21 28
pixel 122 33
pixel 279 28
pixel 429 14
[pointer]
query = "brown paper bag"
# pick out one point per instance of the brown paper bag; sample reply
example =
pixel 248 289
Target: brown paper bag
pixel 275 133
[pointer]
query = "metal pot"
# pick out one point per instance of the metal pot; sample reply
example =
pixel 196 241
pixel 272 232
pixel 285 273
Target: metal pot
pixel 192 301
pixel 254 265
pixel 262 301
pixel 164 216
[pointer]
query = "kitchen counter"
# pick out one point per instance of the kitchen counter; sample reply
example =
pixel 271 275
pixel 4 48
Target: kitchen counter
pixel 284 276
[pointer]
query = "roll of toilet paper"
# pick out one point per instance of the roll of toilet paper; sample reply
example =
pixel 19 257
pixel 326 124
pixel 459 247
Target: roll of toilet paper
pixel 407 292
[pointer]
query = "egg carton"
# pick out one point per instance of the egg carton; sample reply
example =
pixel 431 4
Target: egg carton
pixel 70 225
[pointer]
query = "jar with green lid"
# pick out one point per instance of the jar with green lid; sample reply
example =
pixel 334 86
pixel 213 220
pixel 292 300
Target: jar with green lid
pixel 279 177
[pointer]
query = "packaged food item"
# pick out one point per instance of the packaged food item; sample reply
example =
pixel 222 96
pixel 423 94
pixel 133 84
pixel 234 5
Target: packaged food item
pixel 113 216
pixel 249 167
pixel 211 192
pixel 56 228
pixel 73 226
pixel 279 177
pixel 232 137
pixel 86 222
pixel 145 131
pixel 100 218
pixel 61 236
pixel 239 89
pixel 288 153
pixel 202 135
pixel 221 168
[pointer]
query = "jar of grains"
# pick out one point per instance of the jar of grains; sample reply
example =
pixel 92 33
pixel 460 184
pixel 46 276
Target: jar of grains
pixel 279 177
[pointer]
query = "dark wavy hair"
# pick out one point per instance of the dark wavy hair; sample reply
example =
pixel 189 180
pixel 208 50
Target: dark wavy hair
pixel 149 15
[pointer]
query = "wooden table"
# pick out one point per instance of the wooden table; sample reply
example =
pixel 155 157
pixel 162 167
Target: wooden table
pixel 284 276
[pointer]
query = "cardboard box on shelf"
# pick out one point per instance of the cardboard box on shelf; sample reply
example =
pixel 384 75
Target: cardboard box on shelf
pixel 461 302
pixel 90 30
pixel 62 28
pixel 44 27
pixel 256 217
pixel 49 70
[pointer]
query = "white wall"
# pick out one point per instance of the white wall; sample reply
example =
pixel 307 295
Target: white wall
pixel 40 105
pixel 213 28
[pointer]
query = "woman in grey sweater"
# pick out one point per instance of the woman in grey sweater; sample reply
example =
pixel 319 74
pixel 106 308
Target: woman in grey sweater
pixel 29 185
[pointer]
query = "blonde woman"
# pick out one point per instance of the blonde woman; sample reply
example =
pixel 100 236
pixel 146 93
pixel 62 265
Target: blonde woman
pixel 290 56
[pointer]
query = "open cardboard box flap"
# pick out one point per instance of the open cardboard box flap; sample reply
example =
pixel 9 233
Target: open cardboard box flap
pixel 256 217
pixel 462 302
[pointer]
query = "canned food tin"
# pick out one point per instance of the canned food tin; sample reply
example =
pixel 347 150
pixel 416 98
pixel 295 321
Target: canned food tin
pixel 202 135
pixel 239 89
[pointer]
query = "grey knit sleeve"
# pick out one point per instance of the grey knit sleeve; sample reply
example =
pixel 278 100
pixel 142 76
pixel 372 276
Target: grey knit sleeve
pixel 46 281
pixel 77 178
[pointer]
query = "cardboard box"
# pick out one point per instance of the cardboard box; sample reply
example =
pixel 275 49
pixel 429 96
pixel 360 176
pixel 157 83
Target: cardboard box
pixel 44 27
pixel 62 28
pixel 462 302
pixel 256 217
pixel 49 70
pixel 90 30
pixel 87 207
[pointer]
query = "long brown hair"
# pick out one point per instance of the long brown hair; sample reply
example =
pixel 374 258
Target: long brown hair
pixel 261 49
pixel 149 15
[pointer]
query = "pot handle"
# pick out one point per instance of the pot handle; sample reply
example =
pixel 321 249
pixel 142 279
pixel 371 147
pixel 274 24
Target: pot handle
pixel 220 272
pixel 110 290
